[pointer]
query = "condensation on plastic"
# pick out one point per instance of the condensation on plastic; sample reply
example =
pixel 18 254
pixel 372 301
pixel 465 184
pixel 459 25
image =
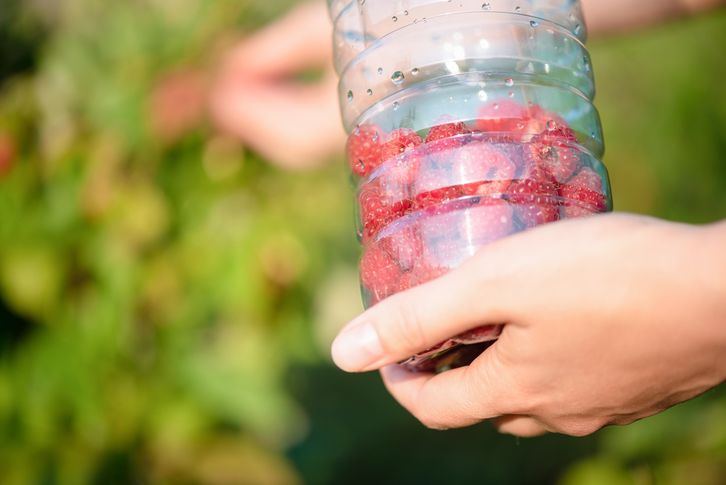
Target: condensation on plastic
pixel 464 43
pixel 360 23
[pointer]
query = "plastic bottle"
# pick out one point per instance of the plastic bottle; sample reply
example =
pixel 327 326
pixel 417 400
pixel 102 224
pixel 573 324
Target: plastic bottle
pixel 467 122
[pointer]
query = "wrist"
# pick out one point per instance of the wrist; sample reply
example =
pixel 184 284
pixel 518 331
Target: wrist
pixel 710 264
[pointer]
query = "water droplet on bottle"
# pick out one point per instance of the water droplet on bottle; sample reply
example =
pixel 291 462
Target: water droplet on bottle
pixel 415 71
pixel 395 106
pixel 397 77
pixel 350 96
pixel 486 6
pixel 578 29
pixel 369 92
pixel 405 12
pixel 394 18
pixel 509 82
pixel 517 8
pixel 380 71
pixel 533 24
pixel 551 125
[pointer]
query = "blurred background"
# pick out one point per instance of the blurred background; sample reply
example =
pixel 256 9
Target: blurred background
pixel 167 297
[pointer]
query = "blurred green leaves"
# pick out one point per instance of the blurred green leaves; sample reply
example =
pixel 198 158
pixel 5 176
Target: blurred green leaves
pixel 157 281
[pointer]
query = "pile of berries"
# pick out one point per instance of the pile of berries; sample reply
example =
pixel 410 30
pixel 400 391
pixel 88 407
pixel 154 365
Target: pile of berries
pixel 427 202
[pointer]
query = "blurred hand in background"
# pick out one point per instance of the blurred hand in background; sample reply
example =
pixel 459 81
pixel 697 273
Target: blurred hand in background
pixel 258 95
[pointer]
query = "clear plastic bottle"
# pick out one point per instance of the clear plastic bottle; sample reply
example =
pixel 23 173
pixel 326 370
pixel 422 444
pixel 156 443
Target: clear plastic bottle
pixel 467 122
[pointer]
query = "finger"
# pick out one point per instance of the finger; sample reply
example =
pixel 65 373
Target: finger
pixel 454 399
pixel 522 426
pixel 418 319
pixel 295 126
pixel 299 40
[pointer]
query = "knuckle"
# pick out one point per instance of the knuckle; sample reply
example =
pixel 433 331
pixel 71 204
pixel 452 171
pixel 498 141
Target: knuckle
pixel 512 394
pixel 431 422
pixel 581 428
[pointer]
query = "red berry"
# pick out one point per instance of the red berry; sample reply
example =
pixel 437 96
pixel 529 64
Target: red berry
pixel 431 198
pixel 584 194
pixel 554 126
pixel 375 214
pixel 476 169
pixel 364 149
pixel 403 172
pixel 561 159
pixel 404 246
pixel 482 169
pixel 448 130
pixel 423 273
pixel 492 219
pixel 384 199
pixel 508 118
pixel 398 142
pixel 535 195
pixel 379 273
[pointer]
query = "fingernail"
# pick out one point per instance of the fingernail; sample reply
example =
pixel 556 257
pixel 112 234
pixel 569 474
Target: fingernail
pixel 357 347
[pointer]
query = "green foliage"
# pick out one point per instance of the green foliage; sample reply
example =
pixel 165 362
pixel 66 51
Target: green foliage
pixel 155 293
pixel 156 299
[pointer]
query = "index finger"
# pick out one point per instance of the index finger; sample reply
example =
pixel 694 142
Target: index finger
pixel 455 399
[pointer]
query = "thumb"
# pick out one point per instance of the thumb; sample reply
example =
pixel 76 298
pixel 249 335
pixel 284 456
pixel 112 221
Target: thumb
pixel 416 320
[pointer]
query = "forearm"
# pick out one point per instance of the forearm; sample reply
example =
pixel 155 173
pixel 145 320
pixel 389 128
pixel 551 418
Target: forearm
pixel 621 15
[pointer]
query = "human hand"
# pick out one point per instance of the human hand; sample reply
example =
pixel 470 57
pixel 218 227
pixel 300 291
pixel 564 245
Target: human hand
pixel 608 320
pixel 256 97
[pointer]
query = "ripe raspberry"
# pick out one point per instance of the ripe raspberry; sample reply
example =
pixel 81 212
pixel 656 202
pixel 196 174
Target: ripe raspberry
pixel 403 172
pixel 432 198
pixel 381 203
pixel 492 219
pixel 554 126
pixel 379 273
pixel 405 246
pixel 482 169
pixel 535 196
pixel 584 194
pixel 364 149
pixel 561 159
pixel 398 142
pixel 442 138
pixel 374 212
pixel 422 273
pixel 508 118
